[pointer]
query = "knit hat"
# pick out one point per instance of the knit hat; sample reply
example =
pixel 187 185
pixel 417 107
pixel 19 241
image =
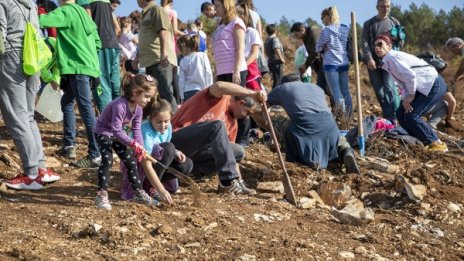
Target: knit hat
pixel 384 38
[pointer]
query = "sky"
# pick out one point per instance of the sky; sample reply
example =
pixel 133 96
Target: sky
pixel 298 10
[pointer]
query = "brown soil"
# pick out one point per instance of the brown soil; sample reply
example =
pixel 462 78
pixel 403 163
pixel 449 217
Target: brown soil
pixel 61 222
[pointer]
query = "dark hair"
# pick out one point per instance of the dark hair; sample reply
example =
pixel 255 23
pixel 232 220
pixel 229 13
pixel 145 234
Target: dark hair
pixel 243 12
pixel 47 4
pixel 248 3
pixel 115 2
pixel 292 77
pixel 271 29
pixel 160 105
pixel 138 83
pixel 165 2
pixel 198 22
pixel 190 41
pixel 205 6
pixel 249 102
pixel 296 27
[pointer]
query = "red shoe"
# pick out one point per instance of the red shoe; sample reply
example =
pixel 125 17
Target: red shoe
pixel 48 175
pixel 24 182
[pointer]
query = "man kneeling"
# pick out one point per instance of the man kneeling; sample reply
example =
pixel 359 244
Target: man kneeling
pixel 312 136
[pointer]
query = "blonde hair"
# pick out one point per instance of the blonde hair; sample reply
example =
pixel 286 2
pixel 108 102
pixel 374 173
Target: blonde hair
pixel 229 7
pixel 332 12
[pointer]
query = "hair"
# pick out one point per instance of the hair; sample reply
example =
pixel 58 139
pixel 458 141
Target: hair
pixel 271 29
pixel 451 42
pixel 189 41
pixel 138 83
pixel 384 37
pixel 229 7
pixel 47 4
pixel 115 2
pixel 292 77
pixel 333 15
pixel 248 3
pixel 243 12
pixel 378 1
pixel 160 105
pixel 296 27
pixel 249 102
pixel 191 27
pixel 165 2
pixel 205 6
pixel 125 21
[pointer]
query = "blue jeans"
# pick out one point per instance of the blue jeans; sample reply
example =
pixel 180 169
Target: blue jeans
pixel 386 92
pixel 338 86
pixel 78 89
pixel 412 122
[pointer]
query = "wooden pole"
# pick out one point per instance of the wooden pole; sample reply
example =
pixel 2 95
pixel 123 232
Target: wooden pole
pixel 358 84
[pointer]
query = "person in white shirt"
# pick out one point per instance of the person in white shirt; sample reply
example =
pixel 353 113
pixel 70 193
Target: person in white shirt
pixel 195 72
pixel 421 87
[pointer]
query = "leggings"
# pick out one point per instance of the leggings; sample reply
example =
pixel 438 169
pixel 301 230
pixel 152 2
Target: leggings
pixel 106 144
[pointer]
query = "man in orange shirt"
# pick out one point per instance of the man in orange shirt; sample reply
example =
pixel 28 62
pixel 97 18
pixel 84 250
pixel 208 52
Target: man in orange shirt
pixel 205 128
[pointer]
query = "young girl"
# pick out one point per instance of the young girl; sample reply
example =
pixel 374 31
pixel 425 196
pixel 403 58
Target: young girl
pixel 121 115
pixel 129 44
pixel 194 70
pixel 157 132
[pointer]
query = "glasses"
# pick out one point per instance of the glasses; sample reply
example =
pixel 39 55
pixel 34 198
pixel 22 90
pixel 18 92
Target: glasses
pixel 378 44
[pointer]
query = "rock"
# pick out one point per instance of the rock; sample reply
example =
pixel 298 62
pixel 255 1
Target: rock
pixel 192 245
pixel 266 195
pixel 378 164
pixel 437 232
pixel 414 192
pixel 97 227
pixel 454 208
pixel 261 217
pixel 3 187
pixel 352 215
pixel 179 249
pixel 274 186
pixel 313 194
pixel 360 250
pixel 346 254
pixel 307 203
pixel 78 184
pixel 182 231
pixel 53 162
pixel 9 161
pixel 210 226
pixel 162 230
pixel 246 257
pixel 334 193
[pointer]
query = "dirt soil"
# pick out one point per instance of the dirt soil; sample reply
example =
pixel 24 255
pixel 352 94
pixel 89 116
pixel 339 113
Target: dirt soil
pixel 62 223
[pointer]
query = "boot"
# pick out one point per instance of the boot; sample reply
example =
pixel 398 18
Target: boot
pixel 349 160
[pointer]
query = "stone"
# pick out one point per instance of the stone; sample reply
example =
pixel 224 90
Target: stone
pixel 360 250
pixel 437 232
pixel 273 186
pixel 53 162
pixel 454 208
pixel 210 226
pixel 307 203
pixel 192 245
pixel 97 227
pixel 346 255
pixel 352 215
pixel 9 161
pixel 179 249
pixel 313 194
pixel 246 257
pixel 414 192
pixel 378 164
pixel 334 193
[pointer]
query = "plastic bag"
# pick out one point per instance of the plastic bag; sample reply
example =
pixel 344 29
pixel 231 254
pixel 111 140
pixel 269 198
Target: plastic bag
pixel 36 54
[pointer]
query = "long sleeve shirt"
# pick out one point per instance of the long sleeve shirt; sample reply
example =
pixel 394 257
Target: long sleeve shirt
pixel 332 42
pixel 194 73
pixel 411 73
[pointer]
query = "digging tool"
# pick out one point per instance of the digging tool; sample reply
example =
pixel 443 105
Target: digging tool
pixel 195 189
pixel 361 140
pixel 289 194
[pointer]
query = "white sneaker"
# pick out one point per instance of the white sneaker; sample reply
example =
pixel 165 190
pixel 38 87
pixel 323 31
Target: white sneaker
pixel 102 200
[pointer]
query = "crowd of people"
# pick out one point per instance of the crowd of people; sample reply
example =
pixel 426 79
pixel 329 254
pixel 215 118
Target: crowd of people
pixel 144 86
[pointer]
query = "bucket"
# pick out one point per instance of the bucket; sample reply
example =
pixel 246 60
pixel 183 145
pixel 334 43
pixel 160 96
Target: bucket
pixel 49 104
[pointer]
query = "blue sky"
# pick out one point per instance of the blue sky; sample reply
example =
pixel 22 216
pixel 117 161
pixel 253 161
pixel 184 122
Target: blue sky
pixel 298 10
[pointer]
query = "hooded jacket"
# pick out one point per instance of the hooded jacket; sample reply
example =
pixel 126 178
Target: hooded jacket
pixel 77 40
pixel 14 14
pixel 332 43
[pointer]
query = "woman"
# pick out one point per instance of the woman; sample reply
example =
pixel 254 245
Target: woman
pixel 332 42
pixel 229 44
pixel 421 87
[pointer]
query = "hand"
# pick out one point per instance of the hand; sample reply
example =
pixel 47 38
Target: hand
pixel 55 85
pixel 164 60
pixel 260 96
pixel 139 151
pixel 165 196
pixel 236 77
pixel 302 69
pixel 407 103
pixel 180 156
pixel 371 65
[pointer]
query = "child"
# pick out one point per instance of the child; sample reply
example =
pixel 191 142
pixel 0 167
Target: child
pixel 194 70
pixel 300 58
pixel 77 60
pixel 120 115
pixel 157 131
pixel 275 54
pixel 129 43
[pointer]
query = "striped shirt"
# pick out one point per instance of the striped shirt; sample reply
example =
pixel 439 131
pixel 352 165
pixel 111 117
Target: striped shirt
pixel 224 47
pixel 333 42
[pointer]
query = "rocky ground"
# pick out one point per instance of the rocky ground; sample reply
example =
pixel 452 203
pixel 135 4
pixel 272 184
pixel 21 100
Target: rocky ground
pixel 407 204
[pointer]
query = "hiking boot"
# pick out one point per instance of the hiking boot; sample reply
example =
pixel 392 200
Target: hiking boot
pixel 25 182
pixel 437 146
pixel 102 200
pixel 48 175
pixel 142 197
pixel 237 186
pixel 87 162
pixel 349 160
pixel 67 152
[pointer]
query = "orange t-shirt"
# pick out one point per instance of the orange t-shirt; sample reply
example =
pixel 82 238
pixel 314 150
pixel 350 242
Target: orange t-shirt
pixel 205 107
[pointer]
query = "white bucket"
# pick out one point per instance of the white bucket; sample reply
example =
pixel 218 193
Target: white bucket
pixel 49 104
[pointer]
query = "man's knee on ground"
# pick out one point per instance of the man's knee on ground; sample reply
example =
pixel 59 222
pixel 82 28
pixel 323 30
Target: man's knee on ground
pixel 239 152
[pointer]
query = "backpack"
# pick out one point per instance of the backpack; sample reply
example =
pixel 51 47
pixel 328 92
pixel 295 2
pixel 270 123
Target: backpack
pixel 397 34
pixel 438 63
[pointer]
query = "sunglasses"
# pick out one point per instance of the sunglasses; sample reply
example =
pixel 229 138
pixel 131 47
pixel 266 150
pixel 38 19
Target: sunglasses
pixel 379 44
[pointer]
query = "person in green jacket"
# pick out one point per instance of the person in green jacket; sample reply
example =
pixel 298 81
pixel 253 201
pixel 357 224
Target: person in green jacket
pixel 76 52
pixel 50 73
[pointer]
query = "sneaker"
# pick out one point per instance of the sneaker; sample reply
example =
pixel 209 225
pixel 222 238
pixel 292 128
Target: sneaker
pixel 47 175
pixel 237 186
pixel 87 162
pixel 437 146
pixel 68 152
pixel 102 200
pixel 142 197
pixel 24 182
pixel 349 160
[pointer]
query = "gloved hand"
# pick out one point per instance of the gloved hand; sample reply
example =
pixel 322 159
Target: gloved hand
pixel 139 151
